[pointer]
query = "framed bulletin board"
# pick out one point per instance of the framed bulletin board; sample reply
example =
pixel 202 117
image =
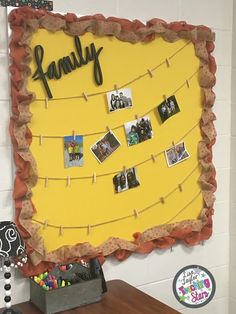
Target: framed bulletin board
pixel 112 129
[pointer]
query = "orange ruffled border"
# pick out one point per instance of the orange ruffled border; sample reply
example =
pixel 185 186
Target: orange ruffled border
pixel 24 22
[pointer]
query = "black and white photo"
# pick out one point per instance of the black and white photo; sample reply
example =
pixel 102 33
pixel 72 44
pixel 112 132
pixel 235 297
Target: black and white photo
pixel 125 180
pixel 119 99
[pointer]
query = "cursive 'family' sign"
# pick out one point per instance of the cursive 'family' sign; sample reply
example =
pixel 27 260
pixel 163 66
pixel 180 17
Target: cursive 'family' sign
pixel 67 64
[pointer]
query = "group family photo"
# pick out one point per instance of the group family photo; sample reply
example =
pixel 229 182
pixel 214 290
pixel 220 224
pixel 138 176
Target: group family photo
pixel 138 130
pixel 120 99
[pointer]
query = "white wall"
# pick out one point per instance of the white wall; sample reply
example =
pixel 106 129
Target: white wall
pixel 154 273
pixel 232 268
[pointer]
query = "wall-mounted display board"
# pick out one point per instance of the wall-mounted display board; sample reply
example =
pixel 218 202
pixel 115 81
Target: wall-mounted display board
pixel 112 129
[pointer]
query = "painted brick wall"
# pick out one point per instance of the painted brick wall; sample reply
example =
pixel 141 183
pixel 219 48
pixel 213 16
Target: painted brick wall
pixel 153 274
pixel 232 266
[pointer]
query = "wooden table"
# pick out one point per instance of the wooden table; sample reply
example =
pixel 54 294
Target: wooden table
pixel 121 298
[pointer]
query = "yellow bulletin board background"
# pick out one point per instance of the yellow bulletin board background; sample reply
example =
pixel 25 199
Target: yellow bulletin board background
pixel 88 203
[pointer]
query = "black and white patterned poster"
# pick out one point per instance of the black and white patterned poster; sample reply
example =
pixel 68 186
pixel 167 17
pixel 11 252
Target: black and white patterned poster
pixel 11 243
pixel 36 4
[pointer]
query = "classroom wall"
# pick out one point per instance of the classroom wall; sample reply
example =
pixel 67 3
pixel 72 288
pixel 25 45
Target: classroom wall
pixel 154 273
pixel 232 266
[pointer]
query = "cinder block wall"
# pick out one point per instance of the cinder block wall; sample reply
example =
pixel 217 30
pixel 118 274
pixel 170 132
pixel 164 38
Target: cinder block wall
pixel 153 274
pixel 232 266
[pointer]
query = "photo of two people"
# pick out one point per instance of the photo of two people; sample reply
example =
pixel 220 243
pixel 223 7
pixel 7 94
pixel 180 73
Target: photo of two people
pixel 73 151
pixel 125 180
pixel 176 154
pixel 103 148
pixel 168 108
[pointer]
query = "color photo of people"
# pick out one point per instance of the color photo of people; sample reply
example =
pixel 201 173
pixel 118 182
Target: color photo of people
pixel 168 108
pixel 105 146
pixel 138 131
pixel 73 151
pixel 120 99
pixel 176 154
pixel 125 180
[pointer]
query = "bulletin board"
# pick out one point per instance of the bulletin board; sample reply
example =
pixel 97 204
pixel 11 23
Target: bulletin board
pixel 63 71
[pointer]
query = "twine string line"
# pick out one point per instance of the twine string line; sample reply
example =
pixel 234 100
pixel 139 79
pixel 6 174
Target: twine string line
pixel 117 171
pixel 130 215
pixel 120 125
pixel 121 86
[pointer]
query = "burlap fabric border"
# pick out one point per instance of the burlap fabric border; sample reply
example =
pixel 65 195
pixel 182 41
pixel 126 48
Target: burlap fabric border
pixel 24 22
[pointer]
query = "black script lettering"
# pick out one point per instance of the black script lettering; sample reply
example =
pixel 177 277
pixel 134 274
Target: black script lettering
pixel 67 64
pixel 89 57
pixel 39 74
pixel 52 71
pixel 97 71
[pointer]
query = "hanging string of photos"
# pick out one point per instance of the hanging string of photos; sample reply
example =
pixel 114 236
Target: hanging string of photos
pixel 93 176
pixel 117 99
pixel 137 131
pixel 166 98
pixel 135 213
pixel 148 72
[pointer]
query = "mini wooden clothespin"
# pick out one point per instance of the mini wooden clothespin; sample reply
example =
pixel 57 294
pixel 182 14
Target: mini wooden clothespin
pixel 153 157
pixel 124 169
pixel 203 242
pixel 73 134
pixel 85 96
pixel 174 146
pixel 180 187
pixel 136 117
pixel 116 88
pixel 46 182
pixel 108 129
pixel 136 213
pixel 165 98
pixel 61 231
pixel 150 73
pixel 162 200
pixel 88 229
pixel 40 139
pixel 168 62
pixel 46 102
pixel 94 177
pixel 171 249
pixel 68 181
pixel 187 83
pixel 45 225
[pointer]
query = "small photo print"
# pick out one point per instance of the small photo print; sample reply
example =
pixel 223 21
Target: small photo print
pixel 73 151
pixel 176 154
pixel 125 180
pixel 168 108
pixel 120 99
pixel 105 146
pixel 138 131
